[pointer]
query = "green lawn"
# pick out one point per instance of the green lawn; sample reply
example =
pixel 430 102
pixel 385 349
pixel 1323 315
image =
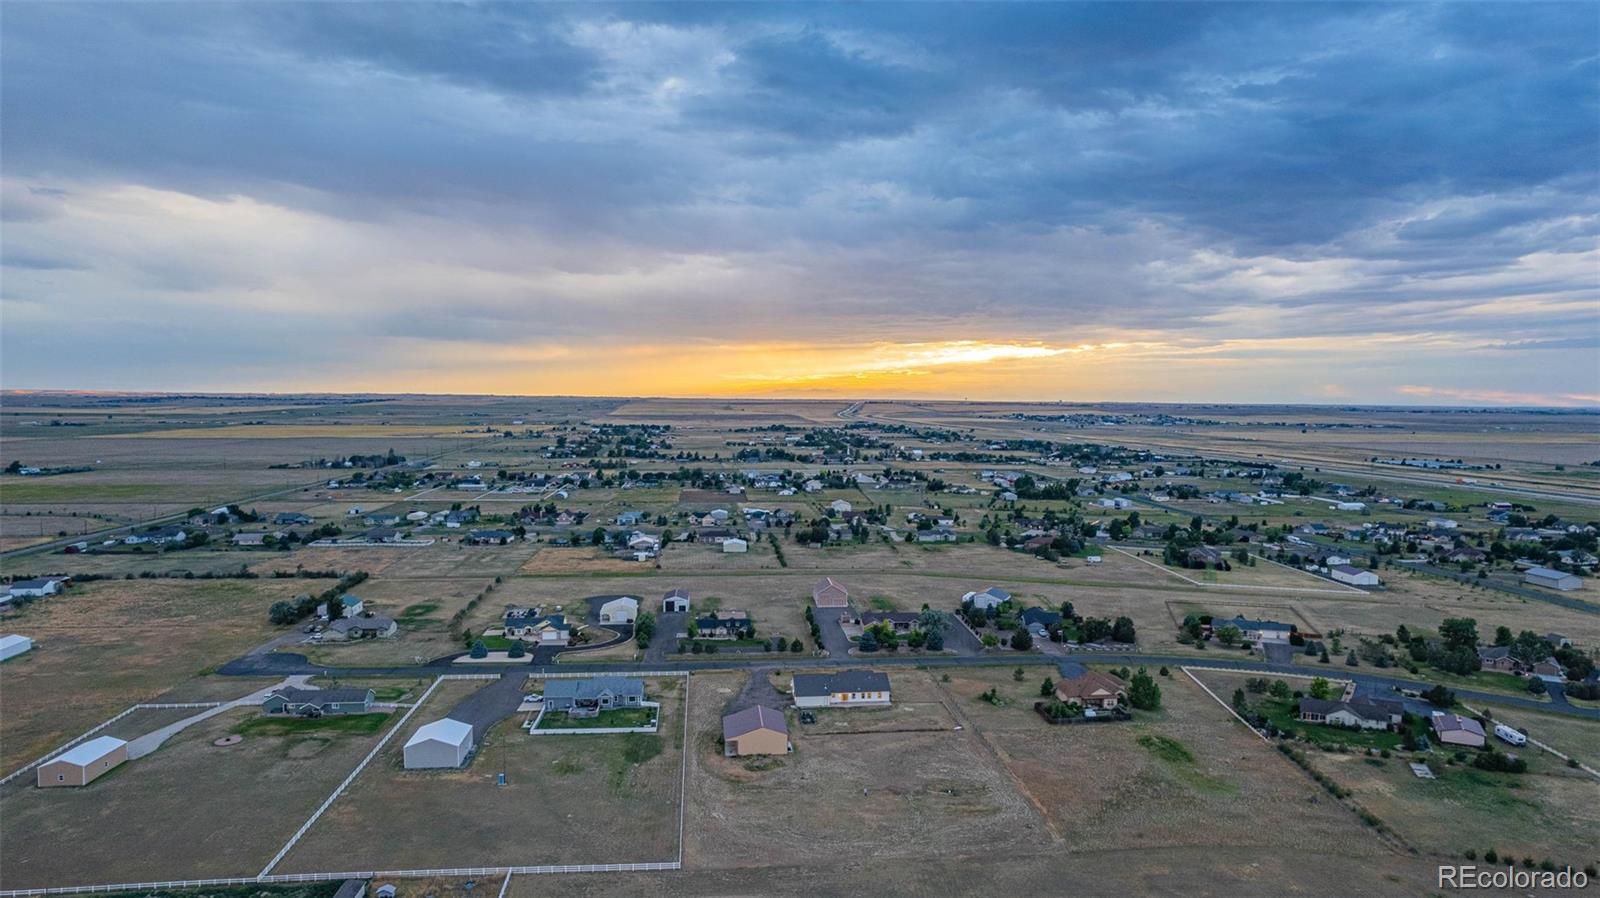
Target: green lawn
pixel 879 603
pixel 621 717
pixel 339 724
pixel 1282 713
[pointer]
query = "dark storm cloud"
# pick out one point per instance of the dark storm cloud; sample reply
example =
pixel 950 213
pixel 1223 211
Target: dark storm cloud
pixel 578 169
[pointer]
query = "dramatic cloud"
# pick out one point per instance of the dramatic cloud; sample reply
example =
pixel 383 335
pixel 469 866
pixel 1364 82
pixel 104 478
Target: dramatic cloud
pixel 1120 201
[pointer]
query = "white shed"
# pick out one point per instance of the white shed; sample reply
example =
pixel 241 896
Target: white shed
pixel 735 545
pixel 1353 576
pixel 442 743
pixel 1551 579
pixel 620 610
pixel 13 645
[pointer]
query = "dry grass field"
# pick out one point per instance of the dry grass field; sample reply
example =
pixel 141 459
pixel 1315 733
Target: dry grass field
pixel 109 644
pixel 568 799
pixel 189 810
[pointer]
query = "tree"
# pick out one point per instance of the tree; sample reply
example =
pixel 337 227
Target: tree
pixel 1122 630
pixel 335 608
pixel 1240 703
pixel 1228 635
pixel 1536 686
pixel 1021 639
pixel 1281 690
pixel 644 629
pixel 869 641
pixel 1320 688
pixel 283 613
pixel 1440 697
pixel 1459 632
pixel 1529 647
pixel 796 647
pixel 518 649
pixel 1502 636
pixel 479 650
pixel 1323 657
pixel 1143 693
pixel 1047 688
pixel 1350 659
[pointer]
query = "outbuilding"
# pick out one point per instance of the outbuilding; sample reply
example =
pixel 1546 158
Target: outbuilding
pixel 620 610
pixel 735 545
pixel 1353 576
pixel 676 601
pixel 442 743
pixel 1453 729
pixel 13 645
pixel 82 765
pixel 757 730
pixel 1551 579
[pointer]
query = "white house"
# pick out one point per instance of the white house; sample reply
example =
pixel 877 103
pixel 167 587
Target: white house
pixel 1551 579
pixel 13 645
pixel 989 598
pixel 735 545
pixel 620 610
pixel 1354 576
pixel 442 743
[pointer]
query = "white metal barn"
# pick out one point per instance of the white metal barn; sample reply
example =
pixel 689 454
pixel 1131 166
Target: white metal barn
pixel 442 743
pixel 621 610
pixel 13 645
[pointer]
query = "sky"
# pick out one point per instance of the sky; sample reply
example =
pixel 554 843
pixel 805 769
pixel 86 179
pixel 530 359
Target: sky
pixel 1248 203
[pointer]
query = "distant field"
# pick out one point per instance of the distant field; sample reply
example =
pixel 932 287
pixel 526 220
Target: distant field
pixel 106 645
pixel 301 431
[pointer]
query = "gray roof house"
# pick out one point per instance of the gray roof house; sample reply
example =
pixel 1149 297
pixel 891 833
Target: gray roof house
pixel 842 688
pixel 589 696
pixel 317 702
pixel 376 626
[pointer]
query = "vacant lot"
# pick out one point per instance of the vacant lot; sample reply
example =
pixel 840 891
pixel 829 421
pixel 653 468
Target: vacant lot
pixel 568 799
pixel 423 610
pixel 888 793
pixel 189 810
pixel 103 646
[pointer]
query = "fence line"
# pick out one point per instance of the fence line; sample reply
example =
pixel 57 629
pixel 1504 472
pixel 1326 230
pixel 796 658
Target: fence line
pixel 647 867
pixel 32 764
pixel 583 675
pixel 166 705
pixel 339 790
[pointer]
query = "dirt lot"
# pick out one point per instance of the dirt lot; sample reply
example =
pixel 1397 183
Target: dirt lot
pixel 189 810
pixel 103 646
pixel 568 799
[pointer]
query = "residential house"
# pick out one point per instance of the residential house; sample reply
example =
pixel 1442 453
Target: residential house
pixel 1358 713
pixel 444 743
pixel 292 519
pixel 489 537
pixel 1497 657
pixel 82 764
pixel 587 697
pixel 1453 729
pixel 318 702
pixel 630 518
pixel 1089 688
pixel 366 626
pixel 829 593
pixel 253 540
pixel 723 624
pixel 1038 621
pixel 937 535
pixel 676 601
pixel 716 535
pixel 987 599
pixel 899 621
pixel 1549 670
pixel 1254 630
pixel 842 688
pixel 757 730
pixel 157 536
pixel 620 610
pixel 1204 557
pixel 529 625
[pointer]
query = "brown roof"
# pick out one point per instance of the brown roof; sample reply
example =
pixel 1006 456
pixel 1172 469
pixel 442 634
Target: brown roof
pixel 830 593
pixel 1089 683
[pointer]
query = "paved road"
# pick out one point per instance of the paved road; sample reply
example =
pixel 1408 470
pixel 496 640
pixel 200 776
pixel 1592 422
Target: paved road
pixel 285 664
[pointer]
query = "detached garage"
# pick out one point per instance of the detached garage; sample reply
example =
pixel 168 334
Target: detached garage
pixel 620 610
pixel 13 645
pixel 1551 579
pixel 443 743
pixel 83 764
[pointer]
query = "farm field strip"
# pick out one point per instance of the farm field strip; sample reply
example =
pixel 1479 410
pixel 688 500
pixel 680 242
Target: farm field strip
pixel 1305 589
